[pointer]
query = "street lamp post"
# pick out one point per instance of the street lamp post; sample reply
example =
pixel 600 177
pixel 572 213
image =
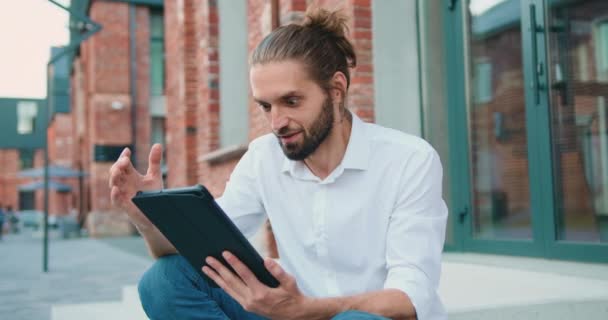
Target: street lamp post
pixel 87 28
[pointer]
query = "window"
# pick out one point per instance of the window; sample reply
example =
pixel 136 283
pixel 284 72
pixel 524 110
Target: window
pixel 157 78
pixel 483 82
pixel 26 116
pixel 602 50
pixel 26 158
pixel 157 53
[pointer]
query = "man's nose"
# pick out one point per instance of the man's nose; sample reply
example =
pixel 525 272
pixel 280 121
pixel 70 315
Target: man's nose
pixel 278 120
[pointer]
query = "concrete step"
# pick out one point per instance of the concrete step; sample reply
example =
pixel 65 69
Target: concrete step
pixel 89 311
pixel 562 310
pixel 129 308
pixel 541 291
pixel 132 304
pixel 472 287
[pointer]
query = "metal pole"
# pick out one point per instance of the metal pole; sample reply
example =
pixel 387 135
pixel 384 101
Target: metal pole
pixel 49 102
pixel 133 79
pixel 91 27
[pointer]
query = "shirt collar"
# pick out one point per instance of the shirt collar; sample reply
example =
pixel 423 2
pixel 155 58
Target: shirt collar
pixel 356 157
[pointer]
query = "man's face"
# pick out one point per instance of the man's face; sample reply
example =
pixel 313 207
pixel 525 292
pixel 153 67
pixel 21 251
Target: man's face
pixel 300 113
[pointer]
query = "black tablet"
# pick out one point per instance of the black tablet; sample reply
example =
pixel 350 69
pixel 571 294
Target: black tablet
pixel 197 227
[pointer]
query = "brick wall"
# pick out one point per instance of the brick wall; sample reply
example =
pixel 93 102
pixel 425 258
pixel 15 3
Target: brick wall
pixel 194 25
pixel 9 166
pixel 361 92
pixel 102 105
pixel 208 92
pixel 193 81
pixel 176 93
pixel 60 140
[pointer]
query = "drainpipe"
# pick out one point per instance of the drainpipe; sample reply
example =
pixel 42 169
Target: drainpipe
pixel 133 79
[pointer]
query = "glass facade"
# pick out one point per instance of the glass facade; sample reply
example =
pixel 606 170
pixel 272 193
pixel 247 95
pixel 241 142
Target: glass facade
pixel 578 73
pixel 523 112
pixel 497 123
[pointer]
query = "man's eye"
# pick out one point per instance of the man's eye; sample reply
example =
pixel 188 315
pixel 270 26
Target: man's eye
pixel 293 101
pixel 265 106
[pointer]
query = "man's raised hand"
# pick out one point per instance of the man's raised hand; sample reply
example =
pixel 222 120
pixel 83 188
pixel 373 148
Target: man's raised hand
pixel 125 181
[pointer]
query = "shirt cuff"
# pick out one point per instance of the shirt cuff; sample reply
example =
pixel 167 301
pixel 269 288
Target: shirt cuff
pixel 417 290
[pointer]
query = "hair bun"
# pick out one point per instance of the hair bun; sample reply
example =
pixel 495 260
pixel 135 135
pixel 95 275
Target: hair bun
pixel 330 21
pixel 334 24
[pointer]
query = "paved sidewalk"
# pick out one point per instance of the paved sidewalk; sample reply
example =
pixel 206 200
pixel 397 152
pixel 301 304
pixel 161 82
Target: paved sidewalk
pixel 80 271
pixel 473 286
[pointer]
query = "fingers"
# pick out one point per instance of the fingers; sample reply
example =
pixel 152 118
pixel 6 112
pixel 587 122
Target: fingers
pixel 120 168
pixel 119 171
pixel 242 270
pixel 277 271
pixel 116 196
pixel 213 275
pixel 154 159
pixel 125 153
pixel 224 278
pixel 224 272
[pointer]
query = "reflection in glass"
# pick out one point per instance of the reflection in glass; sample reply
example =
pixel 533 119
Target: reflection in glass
pixel 578 54
pixel 498 154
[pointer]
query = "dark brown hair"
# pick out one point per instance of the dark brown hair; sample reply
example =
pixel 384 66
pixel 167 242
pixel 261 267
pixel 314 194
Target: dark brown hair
pixel 319 42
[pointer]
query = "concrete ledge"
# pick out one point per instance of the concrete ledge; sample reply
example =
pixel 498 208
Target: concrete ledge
pixel 588 310
pixel 224 154
pixel 475 286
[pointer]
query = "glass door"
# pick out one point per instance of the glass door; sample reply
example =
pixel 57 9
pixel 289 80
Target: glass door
pixel 577 53
pixel 498 144
pixel 528 126
pixel 578 56
pixel 499 201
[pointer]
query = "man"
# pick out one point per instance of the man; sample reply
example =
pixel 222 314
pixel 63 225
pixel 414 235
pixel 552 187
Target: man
pixel 356 208
pixel 13 219
pixel 2 215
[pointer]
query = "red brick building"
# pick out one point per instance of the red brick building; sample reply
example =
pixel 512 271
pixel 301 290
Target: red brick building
pixel 165 61
pixel 520 176
pixel 21 145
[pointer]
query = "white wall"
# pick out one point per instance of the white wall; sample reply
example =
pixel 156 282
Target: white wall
pixel 395 58
pixel 234 82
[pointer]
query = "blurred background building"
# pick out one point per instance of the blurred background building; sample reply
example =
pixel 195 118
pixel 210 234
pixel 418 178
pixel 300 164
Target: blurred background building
pixel 512 94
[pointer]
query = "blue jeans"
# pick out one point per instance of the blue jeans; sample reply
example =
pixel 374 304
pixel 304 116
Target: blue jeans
pixel 172 289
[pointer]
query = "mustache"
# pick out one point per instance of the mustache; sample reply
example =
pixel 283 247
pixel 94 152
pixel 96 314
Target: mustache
pixel 286 131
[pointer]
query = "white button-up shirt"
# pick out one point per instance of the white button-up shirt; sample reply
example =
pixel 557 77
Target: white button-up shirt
pixel 377 221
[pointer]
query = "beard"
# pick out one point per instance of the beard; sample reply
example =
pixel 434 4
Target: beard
pixel 313 136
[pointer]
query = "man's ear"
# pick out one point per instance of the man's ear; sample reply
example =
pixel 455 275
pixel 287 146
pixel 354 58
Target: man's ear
pixel 339 86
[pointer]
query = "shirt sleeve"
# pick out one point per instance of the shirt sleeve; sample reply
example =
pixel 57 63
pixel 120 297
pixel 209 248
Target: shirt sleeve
pixel 416 234
pixel 241 199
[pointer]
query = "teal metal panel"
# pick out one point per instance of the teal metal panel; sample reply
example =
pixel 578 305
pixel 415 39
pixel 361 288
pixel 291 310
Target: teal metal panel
pixel 533 53
pixel 9 137
pixel 579 251
pixel 59 82
pixel 155 3
pixel 457 123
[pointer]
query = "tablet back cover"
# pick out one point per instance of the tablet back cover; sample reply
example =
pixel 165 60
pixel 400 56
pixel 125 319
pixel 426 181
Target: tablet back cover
pixel 197 227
